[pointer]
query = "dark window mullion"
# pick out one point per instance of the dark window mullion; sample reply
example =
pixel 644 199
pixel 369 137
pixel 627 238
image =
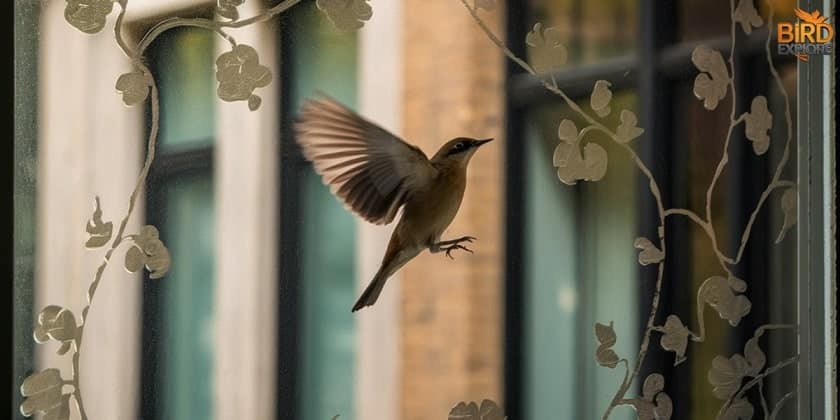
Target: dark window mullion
pixel 288 221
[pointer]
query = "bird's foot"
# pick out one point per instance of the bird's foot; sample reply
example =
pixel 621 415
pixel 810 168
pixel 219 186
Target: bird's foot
pixel 456 241
pixel 453 247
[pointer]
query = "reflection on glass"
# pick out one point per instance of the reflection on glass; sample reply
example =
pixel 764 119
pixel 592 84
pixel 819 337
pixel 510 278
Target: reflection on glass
pixel 581 269
pixel 590 30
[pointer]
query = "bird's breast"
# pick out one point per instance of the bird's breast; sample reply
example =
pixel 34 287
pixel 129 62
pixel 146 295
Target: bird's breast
pixel 429 212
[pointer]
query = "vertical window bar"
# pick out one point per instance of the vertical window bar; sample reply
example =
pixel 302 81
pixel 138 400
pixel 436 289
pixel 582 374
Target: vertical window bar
pixel 514 222
pixel 289 195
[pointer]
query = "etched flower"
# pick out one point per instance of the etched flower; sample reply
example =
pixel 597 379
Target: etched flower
pixel 740 409
pixel 134 87
pixel 574 164
pixel 710 85
pixel 488 410
pixel 675 337
pixel 628 129
pixel 758 122
pixel 727 374
pixel 655 403
pixel 88 16
pixel 346 15
pixel 546 51
pixel 56 323
pixel 600 99
pixel 720 293
pixel 150 251
pixel 649 253
pixel 42 392
pixel 227 8
pixel 239 72
pixel 747 16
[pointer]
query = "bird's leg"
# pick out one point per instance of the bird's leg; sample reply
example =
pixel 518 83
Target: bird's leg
pixel 451 245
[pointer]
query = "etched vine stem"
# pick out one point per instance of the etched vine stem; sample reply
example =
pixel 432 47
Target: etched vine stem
pixel 577 162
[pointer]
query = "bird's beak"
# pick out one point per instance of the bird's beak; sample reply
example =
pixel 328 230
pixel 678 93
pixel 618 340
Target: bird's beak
pixel 480 142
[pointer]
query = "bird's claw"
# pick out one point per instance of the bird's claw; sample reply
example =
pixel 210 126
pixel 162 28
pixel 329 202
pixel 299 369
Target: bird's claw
pixel 451 248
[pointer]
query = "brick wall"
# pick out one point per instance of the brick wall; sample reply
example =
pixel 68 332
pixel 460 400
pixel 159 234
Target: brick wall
pixel 452 313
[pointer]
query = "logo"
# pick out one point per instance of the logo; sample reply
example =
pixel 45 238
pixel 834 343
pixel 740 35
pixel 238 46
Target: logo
pixel 811 35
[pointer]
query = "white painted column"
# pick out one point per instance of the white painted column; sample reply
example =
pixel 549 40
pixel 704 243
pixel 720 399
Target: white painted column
pixel 246 251
pixel 380 93
pixel 89 144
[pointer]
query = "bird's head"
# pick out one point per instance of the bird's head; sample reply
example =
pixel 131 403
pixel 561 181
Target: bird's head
pixel 458 150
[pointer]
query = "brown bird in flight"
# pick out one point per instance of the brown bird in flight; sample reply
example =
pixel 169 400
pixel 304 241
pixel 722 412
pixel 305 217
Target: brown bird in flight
pixel 374 173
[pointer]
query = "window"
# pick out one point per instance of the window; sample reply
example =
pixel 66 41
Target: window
pixel 178 315
pixel 572 244
pixel 317 256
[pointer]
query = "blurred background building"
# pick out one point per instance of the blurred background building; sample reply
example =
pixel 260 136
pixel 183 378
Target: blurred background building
pixel 254 319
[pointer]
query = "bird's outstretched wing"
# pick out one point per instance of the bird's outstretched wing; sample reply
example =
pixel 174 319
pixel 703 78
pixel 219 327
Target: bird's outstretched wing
pixel 372 171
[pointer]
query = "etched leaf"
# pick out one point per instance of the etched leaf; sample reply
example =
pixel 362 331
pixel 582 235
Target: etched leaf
pixel 346 15
pixel 740 409
pixel 42 392
pixel 628 129
pixel 758 122
pixel 150 251
pixel 604 354
pixel 100 232
pixel 239 72
pixel 134 87
pixel 755 358
pixel 600 99
pixel 546 51
pixel 649 254
pixel 675 338
pixel 485 4
pixel 788 203
pixel 227 8
pixel 88 16
pixel 710 85
pixel 719 293
pixel 56 323
pixel 726 375
pixel 488 410
pixel 747 16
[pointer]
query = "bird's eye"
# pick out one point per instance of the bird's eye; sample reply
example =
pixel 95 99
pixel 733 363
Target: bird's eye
pixel 460 145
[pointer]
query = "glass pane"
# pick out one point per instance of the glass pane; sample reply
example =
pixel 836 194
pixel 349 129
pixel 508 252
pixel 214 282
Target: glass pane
pixel 324 60
pixel 183 60
pixel 578 269
pixel 590 30
pixel 186 340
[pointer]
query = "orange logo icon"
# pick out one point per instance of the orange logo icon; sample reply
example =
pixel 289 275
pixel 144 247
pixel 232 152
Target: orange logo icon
pixel 812 35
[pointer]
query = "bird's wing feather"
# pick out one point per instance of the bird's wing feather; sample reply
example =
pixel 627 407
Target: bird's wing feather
pixel 372 171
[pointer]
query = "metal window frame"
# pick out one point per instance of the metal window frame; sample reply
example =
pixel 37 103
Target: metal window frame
pixel 817 375
pixel 815 163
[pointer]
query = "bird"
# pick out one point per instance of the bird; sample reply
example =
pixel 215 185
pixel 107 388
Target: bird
pixel 375 173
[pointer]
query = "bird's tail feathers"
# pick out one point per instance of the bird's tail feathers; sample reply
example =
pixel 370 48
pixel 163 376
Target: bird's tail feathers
pixel 371 293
